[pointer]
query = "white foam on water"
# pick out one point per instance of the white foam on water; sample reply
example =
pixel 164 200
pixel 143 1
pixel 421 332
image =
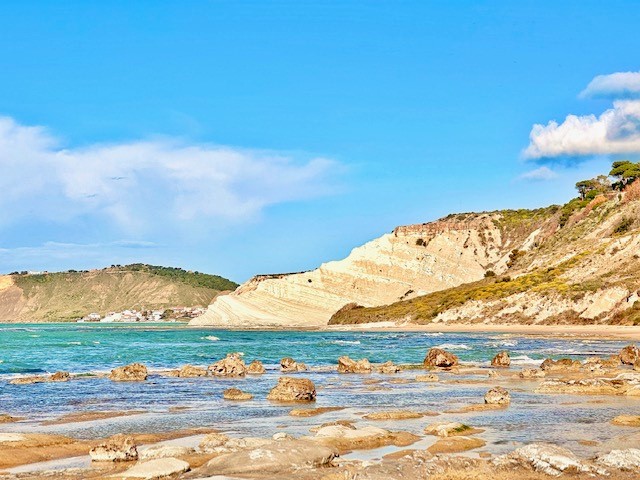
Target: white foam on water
pixel 524 360
pixel 212 338
pixel 345 342
pixel 455 346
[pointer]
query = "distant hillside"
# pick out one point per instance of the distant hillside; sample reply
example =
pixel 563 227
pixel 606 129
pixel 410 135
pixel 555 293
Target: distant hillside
pixel 65 296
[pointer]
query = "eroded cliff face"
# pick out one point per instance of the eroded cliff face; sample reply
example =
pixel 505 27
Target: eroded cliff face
pixel 411 261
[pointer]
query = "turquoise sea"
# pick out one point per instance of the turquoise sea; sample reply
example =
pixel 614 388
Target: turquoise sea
pixel 174 403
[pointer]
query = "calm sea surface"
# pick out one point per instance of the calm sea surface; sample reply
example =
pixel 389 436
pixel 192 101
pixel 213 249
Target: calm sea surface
pixel 174 403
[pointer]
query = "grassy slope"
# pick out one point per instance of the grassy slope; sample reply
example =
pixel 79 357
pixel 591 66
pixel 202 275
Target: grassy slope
pixel 522 276
pixel 69 295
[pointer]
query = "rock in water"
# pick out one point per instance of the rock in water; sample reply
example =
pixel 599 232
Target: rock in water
pixel 289 365
pixel 189 371
pixel 561 365
pixel 291 389
pixel 347 365
pixel 156 469
pixel 437 357
pixel 60 377
pixel 546 458
pixel 628 459
pixel 136 372
pixel 165 451
pixel 532 373
pixel 629 354
pixel 502 360
pixel 389 367
pixel 430 377
pixel 119 448
pixel 274 456
pixel 212 441
pixel 236 394
pixel 255 368
pixel 497 396
pixel 231 366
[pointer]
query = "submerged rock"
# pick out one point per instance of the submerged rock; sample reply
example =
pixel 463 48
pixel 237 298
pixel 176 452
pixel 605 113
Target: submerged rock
pixel 189 371
pixel 629 354
pixel 136 372
pixel 291 389
pixel 289 365
pixel 230 366
pixel 430 377
pixel 546 458
pixel 456 444
pixel 56 377
pixel 347 365
pixel 347 437
pixel 437 357
pixel 393 415
pixel 236 394
pixel 156 469
pixel 312 412
pixel 501 360
pixel 497 396
pixel 165 451
pixel 119 448
pixel 590 386
pixel 255 368
pixel 450 429
pixel 389 367
pixel 272 457
pixel 627 420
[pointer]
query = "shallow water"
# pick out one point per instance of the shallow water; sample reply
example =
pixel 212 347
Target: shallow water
pixel 86 348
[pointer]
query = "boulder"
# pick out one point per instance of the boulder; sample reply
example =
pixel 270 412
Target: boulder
pixel 430 377
pixel 230 366
pixel 189 371
pixel 165 451
pixel 289 365
pixel 60 377
pixel 273 457
pixel 156 469
pixel 291 389
pixel 450 429
pixel 236 394
pixel 255 368
pixel 347 365
pixel 497 396
pixel 212 441
pixel 532 373
pixel 437 357
pixel 546 458
pixel 629 354
pixel 501 360
pixel 119 448
pixel 346 437
pixel 136 372
pixel 627 460
pixel 561 365
pixel 389 367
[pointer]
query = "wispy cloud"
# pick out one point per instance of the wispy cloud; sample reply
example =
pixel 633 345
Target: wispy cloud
pixel 148 185
pixel 615 85
pixel 540 174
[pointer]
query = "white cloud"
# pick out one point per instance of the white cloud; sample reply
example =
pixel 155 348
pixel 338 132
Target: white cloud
pixel 615 85
pixel 616 131
pixel 147 185
pixel 539 174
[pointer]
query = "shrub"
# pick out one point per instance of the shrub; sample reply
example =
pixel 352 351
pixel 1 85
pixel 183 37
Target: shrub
pixel 489 273
pixel 624 225
pixel 632 192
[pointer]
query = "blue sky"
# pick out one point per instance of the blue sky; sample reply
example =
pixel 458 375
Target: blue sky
pixel 251 137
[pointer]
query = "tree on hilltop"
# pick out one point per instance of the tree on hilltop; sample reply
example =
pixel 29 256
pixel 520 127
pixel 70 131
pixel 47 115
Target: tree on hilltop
pixel 625 172
pixel 593 187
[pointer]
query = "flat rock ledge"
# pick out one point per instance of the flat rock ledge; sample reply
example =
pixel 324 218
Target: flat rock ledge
pixel 155 469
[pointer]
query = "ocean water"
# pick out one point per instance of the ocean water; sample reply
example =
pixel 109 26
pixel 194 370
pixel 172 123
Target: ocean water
pixel 174 403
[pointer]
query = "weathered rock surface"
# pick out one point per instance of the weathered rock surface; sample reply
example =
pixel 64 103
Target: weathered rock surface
pixel 389 368
pixel 230 366
pixel 60 377
pixel 119 448
pixel 627 460
pixel 347 365
pixel 312 412
pixel 347 437
pixel 156 469
pixel 627 420
pixel 289 365
pixel 56 377
pixel 212 441
pixel 236 394
pixel 497 396
pixel 430 377
pixel 456 444
pixel 450 429
pixel 437 357
pixel 164 451
pixel 501 360
pixel 532 373
pixel 393 415
pixel 411 261
pixel 255 368
pixel 629 354
pixel 272 457
pixel 546 458
pixel 561 365
pixel 189 371
pixel 291 389
pixel 6 418
pixel 136 372
pixel 591 386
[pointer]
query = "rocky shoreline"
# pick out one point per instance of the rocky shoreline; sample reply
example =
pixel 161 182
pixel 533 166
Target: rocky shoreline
pixel 332 450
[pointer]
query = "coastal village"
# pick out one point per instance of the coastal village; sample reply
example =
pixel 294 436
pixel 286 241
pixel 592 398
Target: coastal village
pixel 173 314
